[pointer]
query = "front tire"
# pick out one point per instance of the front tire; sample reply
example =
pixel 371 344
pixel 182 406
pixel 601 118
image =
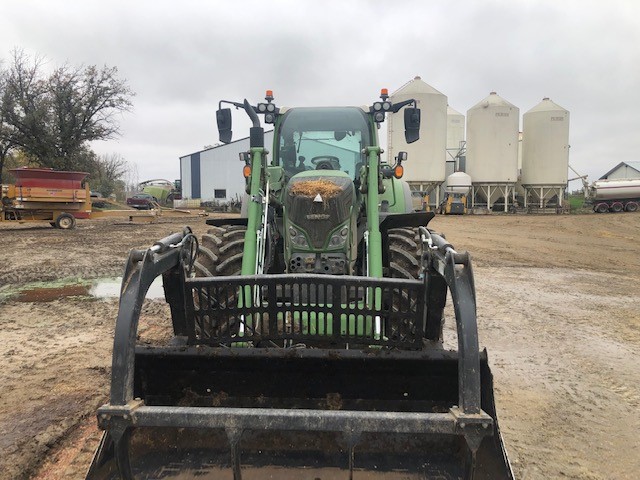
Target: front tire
pixel 220 254
pixel 405 253
pixel 221 251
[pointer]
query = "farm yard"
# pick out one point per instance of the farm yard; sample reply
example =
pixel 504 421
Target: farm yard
pixel 558 311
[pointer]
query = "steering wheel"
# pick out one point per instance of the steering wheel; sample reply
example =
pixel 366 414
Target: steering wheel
pixel 326 162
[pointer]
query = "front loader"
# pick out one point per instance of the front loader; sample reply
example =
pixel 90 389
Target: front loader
pixel 308 334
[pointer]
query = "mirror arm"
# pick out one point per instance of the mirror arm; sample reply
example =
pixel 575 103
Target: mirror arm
pixel 395 108
pixel 235 104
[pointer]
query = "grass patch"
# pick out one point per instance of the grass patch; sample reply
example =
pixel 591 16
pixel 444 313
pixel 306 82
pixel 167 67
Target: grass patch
pixel 576 203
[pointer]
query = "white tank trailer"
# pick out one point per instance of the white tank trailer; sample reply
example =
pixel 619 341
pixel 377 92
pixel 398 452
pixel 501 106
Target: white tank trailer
pixel 492 150
pixel 425 170
pixel 616 195
pixel 545 154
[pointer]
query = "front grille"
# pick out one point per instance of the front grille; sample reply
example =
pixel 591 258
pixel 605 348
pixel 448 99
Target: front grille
pixel 307 309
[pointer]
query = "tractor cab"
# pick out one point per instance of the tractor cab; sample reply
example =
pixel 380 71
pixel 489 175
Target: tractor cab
pixel 325 138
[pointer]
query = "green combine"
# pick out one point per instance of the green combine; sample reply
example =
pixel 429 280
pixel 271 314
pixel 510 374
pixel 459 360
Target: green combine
pixel 308 334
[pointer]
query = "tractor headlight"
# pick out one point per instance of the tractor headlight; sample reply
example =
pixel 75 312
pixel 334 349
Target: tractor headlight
pixel 297 238
pixel 338 239
pixel 300 241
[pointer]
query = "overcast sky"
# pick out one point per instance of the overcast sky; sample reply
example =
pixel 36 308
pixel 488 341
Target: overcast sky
pixel 182 57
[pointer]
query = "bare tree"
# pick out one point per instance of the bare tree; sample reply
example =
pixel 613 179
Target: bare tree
pixel 108 172
pixel 22 111
pixel 131 178
pixel 7 132
pixel 56 116
pixel 85 103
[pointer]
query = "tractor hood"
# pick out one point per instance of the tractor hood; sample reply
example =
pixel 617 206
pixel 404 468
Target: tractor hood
pixel 319 201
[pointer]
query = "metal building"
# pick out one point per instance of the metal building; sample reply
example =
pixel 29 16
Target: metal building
pixel 545 154
pixel 215 174
pixel 623 170
pixel 425 170
pixel 492 151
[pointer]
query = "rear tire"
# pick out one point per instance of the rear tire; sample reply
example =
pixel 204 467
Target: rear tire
pixel 601 208
pixel 631 207
pixel 220 254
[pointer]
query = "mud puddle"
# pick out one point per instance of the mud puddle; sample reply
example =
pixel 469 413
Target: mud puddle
pixel 101 288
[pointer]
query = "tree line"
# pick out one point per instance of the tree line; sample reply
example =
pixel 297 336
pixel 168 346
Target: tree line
pixel 48 119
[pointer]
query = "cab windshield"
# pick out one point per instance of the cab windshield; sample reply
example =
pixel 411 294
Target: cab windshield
pixel 322 139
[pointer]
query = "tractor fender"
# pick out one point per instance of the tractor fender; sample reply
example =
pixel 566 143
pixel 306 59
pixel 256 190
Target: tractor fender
pixel 398 220
pixel 408 197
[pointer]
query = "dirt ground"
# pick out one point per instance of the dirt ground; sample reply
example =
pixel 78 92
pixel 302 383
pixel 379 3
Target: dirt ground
pixel 559 312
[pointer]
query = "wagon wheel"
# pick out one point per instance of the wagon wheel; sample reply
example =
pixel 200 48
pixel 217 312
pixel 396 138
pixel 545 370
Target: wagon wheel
pixel 65 221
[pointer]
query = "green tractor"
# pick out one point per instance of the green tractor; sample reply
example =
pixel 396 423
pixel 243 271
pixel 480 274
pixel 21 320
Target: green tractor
pixel 308 333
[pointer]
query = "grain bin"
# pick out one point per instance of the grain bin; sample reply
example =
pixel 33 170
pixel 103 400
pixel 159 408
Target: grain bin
pixel 427 156
pixel 545 154
pixel 492 149
pixel 492 140
pixel 545 144
pixel 455 129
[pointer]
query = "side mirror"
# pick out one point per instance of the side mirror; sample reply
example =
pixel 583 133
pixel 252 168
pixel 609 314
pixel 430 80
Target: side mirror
pixel 223 117
pixel 411 124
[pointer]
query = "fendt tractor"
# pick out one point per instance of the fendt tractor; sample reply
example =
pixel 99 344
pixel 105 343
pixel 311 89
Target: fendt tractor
pixel 308 333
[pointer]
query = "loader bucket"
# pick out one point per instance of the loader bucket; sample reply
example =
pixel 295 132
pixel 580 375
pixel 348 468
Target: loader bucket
pixel 301 414
pixel 300 376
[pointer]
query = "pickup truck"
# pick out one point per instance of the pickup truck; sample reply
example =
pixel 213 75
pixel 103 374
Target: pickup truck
pixel 142 201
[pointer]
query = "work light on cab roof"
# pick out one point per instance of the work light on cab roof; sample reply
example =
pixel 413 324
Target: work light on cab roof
pixel 269 109
pixel 380 108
